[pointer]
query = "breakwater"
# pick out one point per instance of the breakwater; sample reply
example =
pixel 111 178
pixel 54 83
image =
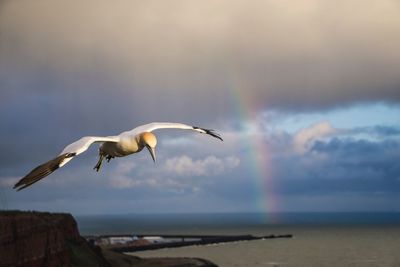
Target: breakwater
pixel 173 241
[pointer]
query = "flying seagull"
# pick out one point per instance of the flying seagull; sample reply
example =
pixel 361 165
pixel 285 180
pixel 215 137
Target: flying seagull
pixel 121 145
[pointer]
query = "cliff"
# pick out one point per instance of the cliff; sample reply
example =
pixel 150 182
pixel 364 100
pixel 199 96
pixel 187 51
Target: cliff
pixel 52 239
pixel 43 239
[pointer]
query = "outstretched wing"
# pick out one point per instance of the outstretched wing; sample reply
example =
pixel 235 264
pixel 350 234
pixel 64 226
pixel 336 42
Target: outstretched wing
pixel 42 171
pixel 168 125
pixel 66 155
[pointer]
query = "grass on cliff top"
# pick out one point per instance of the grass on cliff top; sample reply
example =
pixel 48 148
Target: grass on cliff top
pixel 82 256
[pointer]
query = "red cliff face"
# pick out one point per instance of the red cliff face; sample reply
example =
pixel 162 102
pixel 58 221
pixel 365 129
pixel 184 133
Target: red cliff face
pixel 37 239
pixel 33 239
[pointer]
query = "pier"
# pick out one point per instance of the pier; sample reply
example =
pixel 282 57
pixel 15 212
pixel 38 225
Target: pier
pixel 132 243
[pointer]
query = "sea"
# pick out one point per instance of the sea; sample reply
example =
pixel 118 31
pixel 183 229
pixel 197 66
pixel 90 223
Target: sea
pixel 319 239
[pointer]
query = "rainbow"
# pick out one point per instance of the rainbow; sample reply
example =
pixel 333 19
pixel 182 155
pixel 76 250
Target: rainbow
pixel 256 156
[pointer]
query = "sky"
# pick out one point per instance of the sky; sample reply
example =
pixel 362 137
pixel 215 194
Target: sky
pixel 306 95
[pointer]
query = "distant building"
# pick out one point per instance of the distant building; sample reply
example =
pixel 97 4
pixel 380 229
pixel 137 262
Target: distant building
pixel 155 239
pixel 114 240
pixel 103 241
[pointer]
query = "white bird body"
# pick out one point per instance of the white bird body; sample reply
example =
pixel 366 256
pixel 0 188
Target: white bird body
pixel 125 146
pixel 128 141
pixel 121 145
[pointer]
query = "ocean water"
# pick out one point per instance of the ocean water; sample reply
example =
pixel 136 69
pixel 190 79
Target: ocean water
pixel 218 223
pixel 320 239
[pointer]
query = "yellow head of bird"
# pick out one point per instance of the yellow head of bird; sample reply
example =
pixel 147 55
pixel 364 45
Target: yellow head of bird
pixel 149 140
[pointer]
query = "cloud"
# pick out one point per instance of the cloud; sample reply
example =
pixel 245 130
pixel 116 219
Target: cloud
pixel 378 131
pixel 123 182
pixel 211 165
pixel 341 165
pixel 317 56
pixel 386 130
pixel 8 181
pixel 304 138
pixel 121 176
pixel 129 175
pixel 359 165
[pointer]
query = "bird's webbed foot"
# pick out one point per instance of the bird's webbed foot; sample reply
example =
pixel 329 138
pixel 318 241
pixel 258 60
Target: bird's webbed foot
pixel 108 158
pixel 99 163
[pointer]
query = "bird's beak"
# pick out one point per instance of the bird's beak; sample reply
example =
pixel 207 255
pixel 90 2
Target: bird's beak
pixel 152 153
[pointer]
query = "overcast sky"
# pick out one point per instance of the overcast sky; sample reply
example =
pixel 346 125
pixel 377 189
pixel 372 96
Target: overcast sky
pixel 305 93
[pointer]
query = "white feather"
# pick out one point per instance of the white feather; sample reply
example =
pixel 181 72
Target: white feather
pixel 158 125
pixel 83 144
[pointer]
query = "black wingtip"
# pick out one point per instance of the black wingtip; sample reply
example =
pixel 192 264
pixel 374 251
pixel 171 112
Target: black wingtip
pixel 214 134
pixel 18 184
pixel 210 132
pixel 19 187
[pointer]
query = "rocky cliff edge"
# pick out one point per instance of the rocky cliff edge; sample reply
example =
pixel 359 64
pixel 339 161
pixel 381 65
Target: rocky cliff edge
pixel 52 239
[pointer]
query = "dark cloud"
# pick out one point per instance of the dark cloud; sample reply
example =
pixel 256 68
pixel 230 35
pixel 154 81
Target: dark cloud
pixel 387 131
pixel 379 131
pixel 321 56
pixel 342 165
pixel 354 148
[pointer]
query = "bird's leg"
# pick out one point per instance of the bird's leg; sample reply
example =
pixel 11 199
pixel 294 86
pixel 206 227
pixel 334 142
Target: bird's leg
pixel 99 163
pixel 108 158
